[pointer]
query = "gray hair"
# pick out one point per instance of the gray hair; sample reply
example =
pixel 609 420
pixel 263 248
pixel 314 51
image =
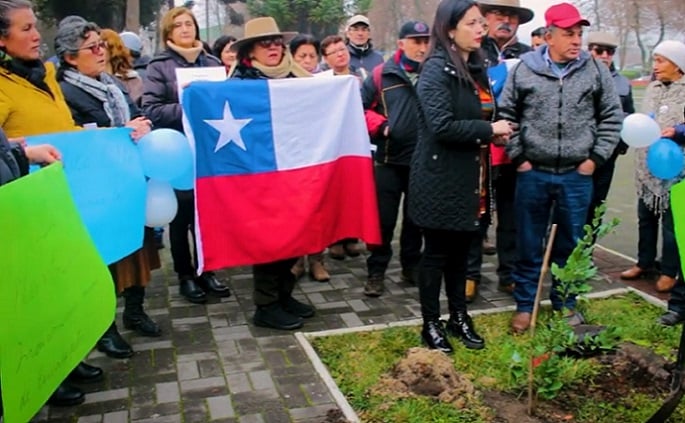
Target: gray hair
pixel 7 6
pixel 71 32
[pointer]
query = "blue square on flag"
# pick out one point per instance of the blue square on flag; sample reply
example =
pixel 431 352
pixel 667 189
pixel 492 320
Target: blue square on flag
pixel 243 132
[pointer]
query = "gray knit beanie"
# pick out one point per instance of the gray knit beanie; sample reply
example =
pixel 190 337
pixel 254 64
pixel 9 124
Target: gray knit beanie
pixel 673 51
pixel 71 32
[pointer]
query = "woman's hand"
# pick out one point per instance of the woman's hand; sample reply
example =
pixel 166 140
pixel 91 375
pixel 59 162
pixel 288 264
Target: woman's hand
pixel 19 140
pixel 502 127
pixel 141 126
pixel 43 153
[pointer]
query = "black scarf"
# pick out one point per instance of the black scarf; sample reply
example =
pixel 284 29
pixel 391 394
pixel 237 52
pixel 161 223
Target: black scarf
pixel 31 70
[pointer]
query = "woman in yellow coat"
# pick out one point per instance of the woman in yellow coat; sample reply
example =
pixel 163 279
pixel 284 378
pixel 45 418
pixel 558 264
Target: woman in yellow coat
pixel 32 103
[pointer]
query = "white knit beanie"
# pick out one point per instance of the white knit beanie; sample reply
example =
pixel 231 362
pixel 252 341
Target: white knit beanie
pixel 673 51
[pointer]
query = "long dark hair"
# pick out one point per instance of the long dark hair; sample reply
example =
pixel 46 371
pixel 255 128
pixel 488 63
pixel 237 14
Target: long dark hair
pixel 448 14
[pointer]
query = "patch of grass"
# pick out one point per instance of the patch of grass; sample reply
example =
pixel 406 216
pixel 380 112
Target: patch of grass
pixel 356 361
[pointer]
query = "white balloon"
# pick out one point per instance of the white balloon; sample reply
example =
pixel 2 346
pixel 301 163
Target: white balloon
pixel 640 130
pixel 160 204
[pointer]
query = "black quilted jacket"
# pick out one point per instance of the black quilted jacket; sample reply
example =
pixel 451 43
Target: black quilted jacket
pixel 444 178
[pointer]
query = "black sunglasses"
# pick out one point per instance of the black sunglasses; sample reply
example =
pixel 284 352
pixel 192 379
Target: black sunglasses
pixel 601 50
pixel 271 41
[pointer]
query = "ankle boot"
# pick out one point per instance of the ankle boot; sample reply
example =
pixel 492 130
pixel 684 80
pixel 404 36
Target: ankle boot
pixel 134 315
pixel 434 336
pixel 317 269
pixel 113 345
pixel 460 326
pixel 85 373
pixel 66 396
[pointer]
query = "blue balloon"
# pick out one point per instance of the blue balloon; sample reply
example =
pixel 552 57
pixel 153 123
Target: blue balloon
pixel 185 181
pixel 166 154
pixel 665 159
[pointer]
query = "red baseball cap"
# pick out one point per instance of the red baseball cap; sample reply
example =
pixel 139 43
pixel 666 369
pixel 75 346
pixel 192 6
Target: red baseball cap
pixel 564 15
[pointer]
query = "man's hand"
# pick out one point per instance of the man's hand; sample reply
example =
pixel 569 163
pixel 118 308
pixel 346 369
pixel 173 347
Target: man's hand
pixel 524 167
pixel 386 131
pixel 587 167
pixel 668 133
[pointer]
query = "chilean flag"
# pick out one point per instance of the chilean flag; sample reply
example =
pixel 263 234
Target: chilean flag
pixel 283 168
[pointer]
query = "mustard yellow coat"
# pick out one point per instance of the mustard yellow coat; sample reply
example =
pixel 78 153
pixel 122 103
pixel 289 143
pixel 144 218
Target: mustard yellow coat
pixel 26 110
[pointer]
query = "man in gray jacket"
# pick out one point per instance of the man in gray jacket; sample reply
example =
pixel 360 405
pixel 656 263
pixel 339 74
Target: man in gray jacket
pixel 569 118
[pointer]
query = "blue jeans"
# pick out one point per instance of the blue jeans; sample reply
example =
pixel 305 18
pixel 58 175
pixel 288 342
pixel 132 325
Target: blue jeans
pixel 569 194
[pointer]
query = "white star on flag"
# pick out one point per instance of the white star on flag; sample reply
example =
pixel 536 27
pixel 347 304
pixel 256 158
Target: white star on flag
pixel 229 129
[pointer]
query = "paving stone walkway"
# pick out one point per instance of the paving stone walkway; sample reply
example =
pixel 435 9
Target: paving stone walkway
pixel 213 365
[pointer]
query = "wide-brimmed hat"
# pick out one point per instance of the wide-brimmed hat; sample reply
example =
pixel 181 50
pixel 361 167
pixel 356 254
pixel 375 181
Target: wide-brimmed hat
pixel 258 28
pixel 525 15
pixel 602 39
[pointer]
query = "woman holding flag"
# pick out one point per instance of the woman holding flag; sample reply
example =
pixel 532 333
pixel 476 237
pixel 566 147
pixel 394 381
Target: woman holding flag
pixel 262 54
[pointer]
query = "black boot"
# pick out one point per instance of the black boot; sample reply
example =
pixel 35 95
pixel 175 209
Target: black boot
pixel 274 316
pixel 85 373
pixel 211 285
pixel 189 289
pixel 292 306
pixel 112 344
pixel 134 315
pixel 460 326
pixel 66 396
pixel 434 336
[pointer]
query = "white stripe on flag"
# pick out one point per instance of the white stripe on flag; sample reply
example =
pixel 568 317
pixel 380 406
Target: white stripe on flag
pixel 317 120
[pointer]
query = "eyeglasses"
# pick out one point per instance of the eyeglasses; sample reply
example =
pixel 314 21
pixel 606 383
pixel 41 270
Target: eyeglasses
pixel 336 51
pixel 273 41
pixel 95 48
pixel 359 28
pixel 601 50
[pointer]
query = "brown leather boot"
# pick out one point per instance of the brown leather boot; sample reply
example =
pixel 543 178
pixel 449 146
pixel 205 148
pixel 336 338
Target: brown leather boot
pixel 317 269
pixel 634 272
pixel 665 283
pixel 520 322
pixel 298 268
pixel 471 290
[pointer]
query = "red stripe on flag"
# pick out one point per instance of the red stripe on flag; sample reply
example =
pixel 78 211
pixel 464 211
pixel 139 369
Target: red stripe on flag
pixel 249 219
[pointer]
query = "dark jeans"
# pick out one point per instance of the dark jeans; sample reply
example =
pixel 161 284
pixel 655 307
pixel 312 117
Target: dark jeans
pixel 648 224
pixel 273 281
pixel 601 182
pixel 183 223
pixel 445 255
pixel 505 188
pixel 391 182
pixel 569 194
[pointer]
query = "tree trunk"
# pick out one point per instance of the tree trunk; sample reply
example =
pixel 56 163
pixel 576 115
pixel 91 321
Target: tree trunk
pixel 133 15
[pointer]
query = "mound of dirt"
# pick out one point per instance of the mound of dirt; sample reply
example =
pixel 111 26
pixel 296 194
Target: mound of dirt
pixel 424 372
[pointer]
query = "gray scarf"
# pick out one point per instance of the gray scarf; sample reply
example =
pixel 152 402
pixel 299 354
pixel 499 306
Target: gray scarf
pixel 105 90
pixel 667 103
